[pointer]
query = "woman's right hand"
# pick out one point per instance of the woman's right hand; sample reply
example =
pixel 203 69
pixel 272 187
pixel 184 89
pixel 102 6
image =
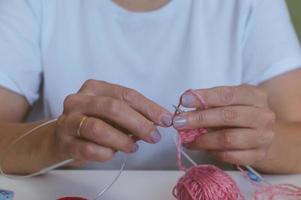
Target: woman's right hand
pixel 115 117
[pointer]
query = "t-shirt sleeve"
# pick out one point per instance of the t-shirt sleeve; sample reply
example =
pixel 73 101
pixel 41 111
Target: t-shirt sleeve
pixel 270 45
pixel 20 59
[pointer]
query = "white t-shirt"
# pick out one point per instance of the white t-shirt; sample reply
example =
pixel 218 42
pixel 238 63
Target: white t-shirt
pixel 186 44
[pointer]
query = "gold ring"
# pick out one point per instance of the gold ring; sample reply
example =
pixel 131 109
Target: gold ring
pixel 78 132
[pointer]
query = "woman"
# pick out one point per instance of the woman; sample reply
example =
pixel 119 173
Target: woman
pixel 112 69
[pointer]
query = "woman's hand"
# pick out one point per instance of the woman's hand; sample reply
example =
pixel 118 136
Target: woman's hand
pixel 113 119
pixel 239 123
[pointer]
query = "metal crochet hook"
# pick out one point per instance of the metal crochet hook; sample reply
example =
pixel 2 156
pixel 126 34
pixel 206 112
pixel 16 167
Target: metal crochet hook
pixel 178 109
pixel 251 170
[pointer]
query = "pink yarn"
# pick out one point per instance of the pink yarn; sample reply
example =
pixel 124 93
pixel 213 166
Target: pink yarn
pixel 186 137
pixel 270 192
pixel 207 182
pixel 203 182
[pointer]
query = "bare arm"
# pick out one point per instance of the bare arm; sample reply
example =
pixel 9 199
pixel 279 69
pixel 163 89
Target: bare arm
pixel 33 151
pixel 284 156
pixel 13 107
pixel 111 112
pixel 250 125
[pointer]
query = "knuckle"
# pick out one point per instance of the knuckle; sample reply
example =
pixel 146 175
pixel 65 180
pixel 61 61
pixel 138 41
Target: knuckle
pixel 94 129
pixel 226 95
pixel 229 115
pixel 90 83
pixel 108 155
pixel 145 128
pixel 70 103
pixel 225 139
pixel 114 106
pixel 130 94
pixel 87 151
pixel 96 103
pixel 200 116
pixel 250 91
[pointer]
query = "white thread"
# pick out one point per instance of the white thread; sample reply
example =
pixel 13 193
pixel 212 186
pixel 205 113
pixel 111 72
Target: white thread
pixel 184 153
pixel 114 180
pixel 57 165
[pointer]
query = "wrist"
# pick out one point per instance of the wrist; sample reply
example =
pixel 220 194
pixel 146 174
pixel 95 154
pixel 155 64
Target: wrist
pixel 43 150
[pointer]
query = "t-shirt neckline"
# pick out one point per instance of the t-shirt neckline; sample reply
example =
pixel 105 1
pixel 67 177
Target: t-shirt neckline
pixel 158 13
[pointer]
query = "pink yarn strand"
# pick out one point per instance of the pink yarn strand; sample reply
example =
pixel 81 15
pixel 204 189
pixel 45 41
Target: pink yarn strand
pixel 203 182
pixel 270 192
pixel 207 182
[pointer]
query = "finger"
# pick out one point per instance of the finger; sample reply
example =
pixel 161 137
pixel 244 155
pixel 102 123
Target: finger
pixel 245 157
pixel 77 163
pixel 232 139
pixel 83 150
pixel 105 135
pixel 117 112
pixel 136 100
pixel 230 116
pixel 225 96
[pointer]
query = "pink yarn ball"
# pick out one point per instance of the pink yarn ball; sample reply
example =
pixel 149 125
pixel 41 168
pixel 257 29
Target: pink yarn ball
pixel 206 182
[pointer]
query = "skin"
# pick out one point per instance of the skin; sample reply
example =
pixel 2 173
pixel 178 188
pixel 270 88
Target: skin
pixel 250 125
pixel 256 125
pixel 117 118
pixel 141 5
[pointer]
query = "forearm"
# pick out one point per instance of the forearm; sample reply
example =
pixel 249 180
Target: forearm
pixel 284 153
pixel 30 154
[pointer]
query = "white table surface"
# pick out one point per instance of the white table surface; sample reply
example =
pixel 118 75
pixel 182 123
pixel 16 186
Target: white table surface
pixel 132 185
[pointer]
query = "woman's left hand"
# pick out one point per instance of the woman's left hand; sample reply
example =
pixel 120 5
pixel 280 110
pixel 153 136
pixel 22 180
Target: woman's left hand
pixel 238 120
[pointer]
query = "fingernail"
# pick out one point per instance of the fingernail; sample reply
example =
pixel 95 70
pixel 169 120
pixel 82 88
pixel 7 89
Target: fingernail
pixel 135 148
pixel 166 119
pixel 155 136
pixel 179 122
pixel 188 99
